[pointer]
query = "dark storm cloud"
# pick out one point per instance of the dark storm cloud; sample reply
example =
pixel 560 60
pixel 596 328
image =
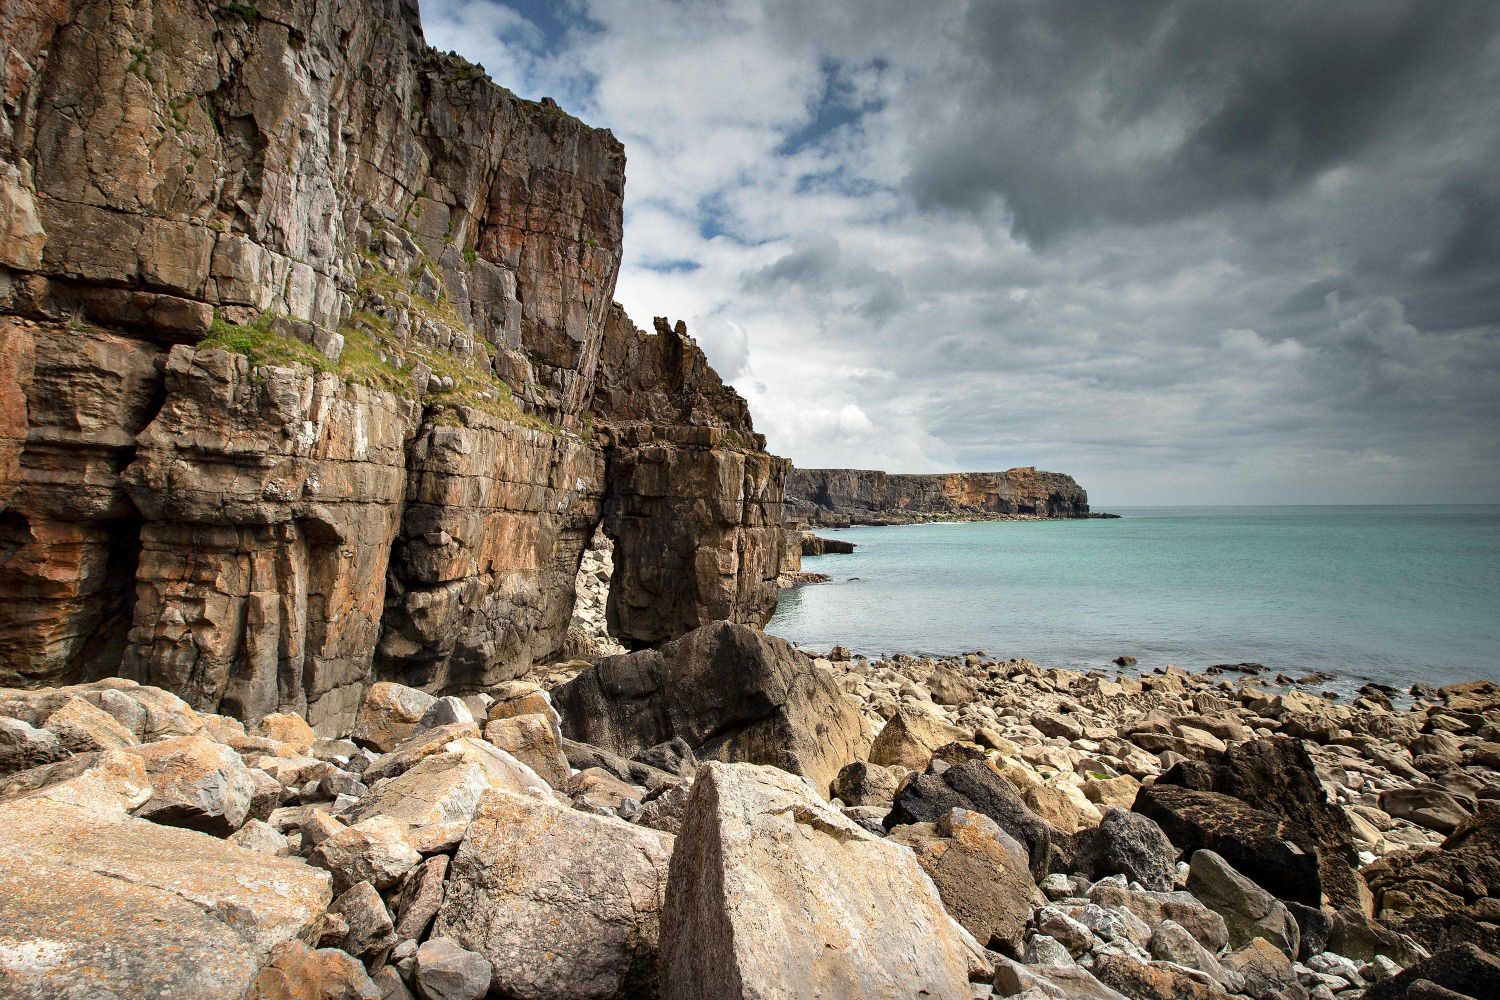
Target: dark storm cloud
pixel 1082 112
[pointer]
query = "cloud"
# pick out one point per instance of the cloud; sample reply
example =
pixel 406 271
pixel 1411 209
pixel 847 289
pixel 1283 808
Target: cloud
pixel 1187 252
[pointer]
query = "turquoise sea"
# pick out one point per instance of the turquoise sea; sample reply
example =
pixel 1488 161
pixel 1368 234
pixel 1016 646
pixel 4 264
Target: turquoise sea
pixel 1394 594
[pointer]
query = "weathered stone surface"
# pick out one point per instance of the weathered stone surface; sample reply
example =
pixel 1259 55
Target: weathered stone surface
pixel 563 904
pixel 864 784
pixel 978 786
pixel 533 741
pixel 732 693
pixel 420 898
pixel 1182 908
pixel 444 971
pixel 1275 852
pixel 376 850
pixel 1445 895
pixel 1153 981
pixel 399 483
pixel 1128 844
pixel 858 496
pixel 388 715
pixel 448 786
pixel 982 874
pixel 909 738
pixel 297 972
pixel 1464 969
pixel 169 912
pixel 1248 910
pixel 775 894
pixel 694 504
pixel 1427 806
pixel 367 928
pixel 196 783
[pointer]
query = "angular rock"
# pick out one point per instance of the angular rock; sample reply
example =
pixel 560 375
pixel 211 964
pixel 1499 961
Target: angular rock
pixel 1267 971
pixel 197 784
pixel 389 714
pixel 86 891
pixel 909 739
pixel 24 746
pixel 862 784
pixel 731 693
pixel 1438 895
pixel 532 740
pixel 981 873
pixel 775 894
pixel 1153 981
pixel 448 786
pixel 375 850
pixel 1128 844
pixel 260 836
pixel 287 728
pixel 420 898
pixel 445 971
pixel 1061 982
pixel 1248 910
pixel 82 727
pixel 1465 969
pixel 297 972
pixel 368 928
pixel 414 749
pixel 563 904
pixel 1271 850
pixel 1426 806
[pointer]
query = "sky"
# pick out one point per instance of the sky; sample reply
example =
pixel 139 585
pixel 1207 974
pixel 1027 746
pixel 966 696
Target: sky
pixel 1189 253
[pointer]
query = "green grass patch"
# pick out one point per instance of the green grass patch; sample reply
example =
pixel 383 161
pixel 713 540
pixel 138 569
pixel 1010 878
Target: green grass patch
pixel 263 346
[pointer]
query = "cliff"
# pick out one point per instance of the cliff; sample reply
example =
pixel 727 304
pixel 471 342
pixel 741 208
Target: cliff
pixel 859 496
pixel 310 373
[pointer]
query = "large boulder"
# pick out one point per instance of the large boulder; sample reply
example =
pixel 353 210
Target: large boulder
pixel 565 905
pixel 389 714
pixel 1129 844
pixel 95 902
pixel 731 692
pixel 775 894
pixel 1276 853
pixel 981 872
pixel 196 783
pixel 909 739
pixel 1277 776
pixel 1248 910
pixel 1445 895
pixel 976 785
pixel 1465 969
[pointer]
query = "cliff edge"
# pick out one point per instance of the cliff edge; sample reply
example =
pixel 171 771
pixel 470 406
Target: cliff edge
pixel 310 373
pixel 835 497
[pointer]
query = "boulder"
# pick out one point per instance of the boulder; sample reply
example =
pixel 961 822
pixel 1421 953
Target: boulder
pixel 389 714
pixel 910 738
pixel 596 790
pixel 864 784
pixel 1153 980
pixel 982 874
pixel 673 757
pixel 447 786
pixel 533 741
pixel 1183 908
pixel 1425 805
pixel 565 905
pixel 95 902
pixel 297 972
pixel 416 748
pixel 1060 982
pixel 1248 910
pixel 666 810
pixel 1267 971
pixel 1465 969
pixel 446 971
pixel 196 783
pixel 977 786
pixel 1129 844
pixel 731 692
pixel 83 728
pixel 366 924
pixel 773 893
pixel 24 746
pixel 1444 895
pixel 445 711
pixel 1277 776
pixel 375 850
pixel 420 897
pixel 289 729
pixel 1274 852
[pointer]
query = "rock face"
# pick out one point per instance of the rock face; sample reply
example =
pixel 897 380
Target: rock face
pixel 730 692
pixel 859 496
pixel 310 375
pixel 773 894
pixel 1445 895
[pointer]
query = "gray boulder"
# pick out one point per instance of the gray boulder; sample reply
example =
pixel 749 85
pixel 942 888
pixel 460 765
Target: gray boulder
pixel 445 971
pixel 1248 910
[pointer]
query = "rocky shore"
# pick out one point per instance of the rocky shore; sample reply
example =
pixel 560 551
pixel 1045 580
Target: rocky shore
pixel 724 816
pixel 840 497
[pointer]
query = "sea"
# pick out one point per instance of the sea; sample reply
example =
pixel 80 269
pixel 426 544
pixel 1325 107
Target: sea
pixel 1397 595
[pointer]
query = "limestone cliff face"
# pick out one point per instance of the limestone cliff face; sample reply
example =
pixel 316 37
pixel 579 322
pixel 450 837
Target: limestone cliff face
pixel 859 496
pixel 301 324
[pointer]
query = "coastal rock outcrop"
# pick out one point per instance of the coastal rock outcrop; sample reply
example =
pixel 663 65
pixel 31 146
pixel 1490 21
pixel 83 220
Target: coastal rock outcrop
pixel 859 496
pixel 730 692
pixel 311 374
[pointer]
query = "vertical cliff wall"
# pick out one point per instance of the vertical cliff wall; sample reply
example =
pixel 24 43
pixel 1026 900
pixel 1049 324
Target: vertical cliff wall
pixel 861 496
pixel 300 329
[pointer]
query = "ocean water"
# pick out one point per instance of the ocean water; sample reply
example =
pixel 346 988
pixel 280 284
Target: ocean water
pixel 1394 594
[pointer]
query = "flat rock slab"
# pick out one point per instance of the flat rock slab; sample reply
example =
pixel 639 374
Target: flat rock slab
pixel 97 903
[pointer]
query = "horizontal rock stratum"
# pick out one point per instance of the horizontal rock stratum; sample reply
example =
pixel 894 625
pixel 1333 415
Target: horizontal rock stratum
pixel 864 496
pixel 310 374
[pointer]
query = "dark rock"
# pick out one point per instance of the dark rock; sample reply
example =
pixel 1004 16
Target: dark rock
pixel 815 545
pixel 1269 850
pixel 977 786
pixel 1124 661
pixel 1129 844
pixel 673 756
pixel 1438 895
pixel 1153 981
pixel 581 757
pixel 730 692
pixel 1314 926
pixel 1464 969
